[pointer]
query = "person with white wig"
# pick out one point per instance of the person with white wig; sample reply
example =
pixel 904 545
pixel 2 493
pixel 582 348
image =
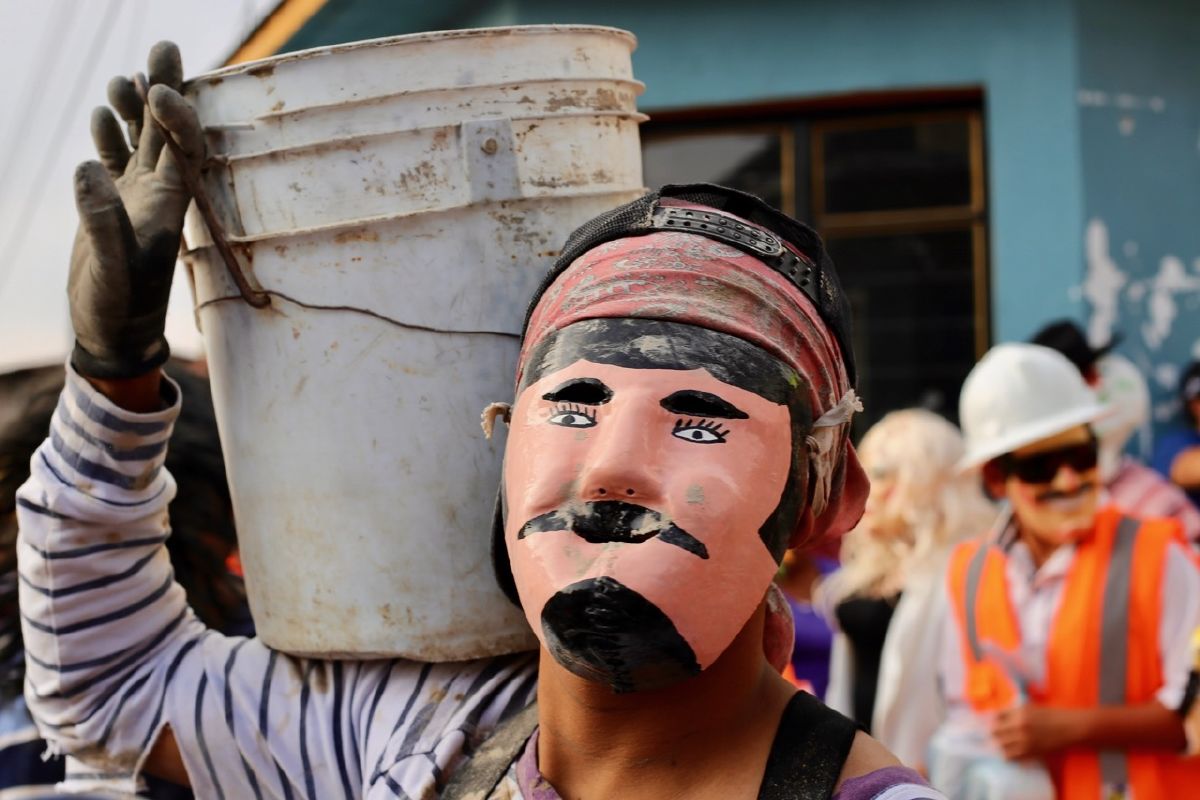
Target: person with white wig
pixel 892 565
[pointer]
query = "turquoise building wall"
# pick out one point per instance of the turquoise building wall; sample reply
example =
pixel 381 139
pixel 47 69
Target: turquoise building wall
pixel 702 53
pixel 1139 107
pixel 1091 111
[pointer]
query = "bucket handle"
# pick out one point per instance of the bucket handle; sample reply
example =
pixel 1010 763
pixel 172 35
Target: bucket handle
pixel 256 297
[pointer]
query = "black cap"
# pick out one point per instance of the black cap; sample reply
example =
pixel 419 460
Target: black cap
pixel 1068 338
pixel 1189 390
pixel 788 246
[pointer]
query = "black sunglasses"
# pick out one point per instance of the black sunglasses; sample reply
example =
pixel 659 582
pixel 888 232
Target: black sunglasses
pixel 1042 467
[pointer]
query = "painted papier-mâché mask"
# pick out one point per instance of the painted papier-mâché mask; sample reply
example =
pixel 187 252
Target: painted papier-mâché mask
pixel 682 417
pixel 653 476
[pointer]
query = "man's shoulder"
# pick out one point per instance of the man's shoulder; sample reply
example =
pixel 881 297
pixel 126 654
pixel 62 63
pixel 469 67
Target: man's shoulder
pixel 871 771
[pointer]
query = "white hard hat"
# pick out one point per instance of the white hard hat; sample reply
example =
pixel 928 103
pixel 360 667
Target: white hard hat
pixel 1019 394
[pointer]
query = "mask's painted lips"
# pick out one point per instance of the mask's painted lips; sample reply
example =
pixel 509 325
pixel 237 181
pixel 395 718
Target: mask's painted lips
pixel 615 521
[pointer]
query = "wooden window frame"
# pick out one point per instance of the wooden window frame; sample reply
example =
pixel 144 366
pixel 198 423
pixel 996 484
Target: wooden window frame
pixel 972 215
pixel 861 109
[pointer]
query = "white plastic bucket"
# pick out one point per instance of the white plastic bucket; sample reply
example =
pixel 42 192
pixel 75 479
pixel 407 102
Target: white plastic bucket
pixel 399 200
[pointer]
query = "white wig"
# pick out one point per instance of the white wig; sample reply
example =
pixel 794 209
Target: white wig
pixel 918 506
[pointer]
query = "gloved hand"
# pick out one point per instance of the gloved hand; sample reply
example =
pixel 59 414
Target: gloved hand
pixel 130 223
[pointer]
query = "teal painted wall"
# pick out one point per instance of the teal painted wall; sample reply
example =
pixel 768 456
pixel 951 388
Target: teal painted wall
pixel 1092 120
pixel 1139 73
pixel 703 52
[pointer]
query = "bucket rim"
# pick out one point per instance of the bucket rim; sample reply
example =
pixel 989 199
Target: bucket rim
pixel 261 64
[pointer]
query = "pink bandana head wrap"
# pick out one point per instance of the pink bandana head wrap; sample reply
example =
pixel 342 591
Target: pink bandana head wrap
pixel 682 277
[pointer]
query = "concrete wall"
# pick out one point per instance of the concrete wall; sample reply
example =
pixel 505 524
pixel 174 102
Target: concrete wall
pixel 1139 74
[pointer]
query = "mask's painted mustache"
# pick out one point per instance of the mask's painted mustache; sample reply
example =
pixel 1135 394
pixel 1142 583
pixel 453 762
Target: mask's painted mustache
pixel 615 521
pixel 1054 494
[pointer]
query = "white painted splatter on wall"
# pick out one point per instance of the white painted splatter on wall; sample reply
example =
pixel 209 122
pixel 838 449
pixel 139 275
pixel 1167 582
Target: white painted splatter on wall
pixel 1159 301
pixel 1102 283
pixel 1162 308
pixel 1167 375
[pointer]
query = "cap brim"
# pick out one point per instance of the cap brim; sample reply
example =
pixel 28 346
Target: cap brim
pixel 1032 433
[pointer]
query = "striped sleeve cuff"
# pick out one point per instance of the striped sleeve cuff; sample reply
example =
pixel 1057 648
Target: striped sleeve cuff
pixel 112 456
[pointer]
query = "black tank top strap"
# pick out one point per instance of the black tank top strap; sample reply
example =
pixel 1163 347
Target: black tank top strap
pixel 810 748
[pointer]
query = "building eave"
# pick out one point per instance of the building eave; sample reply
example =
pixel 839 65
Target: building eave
pixel 276 28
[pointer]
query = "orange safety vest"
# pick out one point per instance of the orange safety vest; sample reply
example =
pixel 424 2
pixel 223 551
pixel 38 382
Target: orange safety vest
pixel 1103 647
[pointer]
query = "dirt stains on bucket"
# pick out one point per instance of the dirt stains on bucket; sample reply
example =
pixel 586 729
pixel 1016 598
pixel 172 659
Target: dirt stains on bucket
pixel 600 99
pixel 357 235
pixel 335 188
pixel 417 178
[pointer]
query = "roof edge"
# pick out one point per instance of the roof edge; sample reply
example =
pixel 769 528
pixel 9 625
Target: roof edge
pixel 276 28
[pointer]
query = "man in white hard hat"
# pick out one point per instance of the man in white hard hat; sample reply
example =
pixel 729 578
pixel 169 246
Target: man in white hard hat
pixel 1066 632
pixel 1119 384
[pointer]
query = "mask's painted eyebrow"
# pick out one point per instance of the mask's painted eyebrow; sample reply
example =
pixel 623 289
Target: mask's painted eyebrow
pixel 694 403
pixel 585 391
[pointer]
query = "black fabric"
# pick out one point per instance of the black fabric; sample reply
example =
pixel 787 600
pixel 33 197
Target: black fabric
pixel 634 219
pixel 806 759
pixel 809 751
pixel 1189 391
pixel 1068 338
pixel 865 622
pixel 476 779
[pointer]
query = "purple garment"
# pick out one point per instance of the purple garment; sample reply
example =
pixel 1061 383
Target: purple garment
pixel 873 784
pixel 529 778
pixel 865 787
pixel 814 639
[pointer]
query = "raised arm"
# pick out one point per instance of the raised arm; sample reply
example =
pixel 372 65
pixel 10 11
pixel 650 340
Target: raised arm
pixel 114 655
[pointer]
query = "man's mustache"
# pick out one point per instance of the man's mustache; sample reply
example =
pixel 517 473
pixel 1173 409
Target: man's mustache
pixel 615 521
pixel 1055 494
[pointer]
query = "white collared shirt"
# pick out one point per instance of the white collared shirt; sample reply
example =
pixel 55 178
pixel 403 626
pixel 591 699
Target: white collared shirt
pixel 1035 594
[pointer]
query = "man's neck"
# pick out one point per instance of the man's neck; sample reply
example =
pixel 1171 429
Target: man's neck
pixel 706 736
pixel 1039 549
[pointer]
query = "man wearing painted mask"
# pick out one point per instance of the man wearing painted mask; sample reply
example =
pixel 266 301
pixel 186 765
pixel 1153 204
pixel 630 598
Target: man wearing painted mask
pixel 682 415
pixel 1066 631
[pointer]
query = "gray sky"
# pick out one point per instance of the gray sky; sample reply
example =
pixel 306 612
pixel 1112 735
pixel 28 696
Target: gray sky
pixel 56 56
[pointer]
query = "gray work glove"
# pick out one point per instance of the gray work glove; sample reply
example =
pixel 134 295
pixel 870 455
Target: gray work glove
pixel 130 222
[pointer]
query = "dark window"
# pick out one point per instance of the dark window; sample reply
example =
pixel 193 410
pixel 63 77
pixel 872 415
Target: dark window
pixel 899 199
pixel 746 160
pixel 914 164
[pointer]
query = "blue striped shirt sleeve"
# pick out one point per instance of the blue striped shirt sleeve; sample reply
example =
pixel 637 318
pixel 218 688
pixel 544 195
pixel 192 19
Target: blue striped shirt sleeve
pixel 114 654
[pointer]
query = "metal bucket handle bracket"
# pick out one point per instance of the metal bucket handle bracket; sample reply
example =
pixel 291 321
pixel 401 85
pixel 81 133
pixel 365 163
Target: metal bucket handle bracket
pixel 251 292
pixel 490 156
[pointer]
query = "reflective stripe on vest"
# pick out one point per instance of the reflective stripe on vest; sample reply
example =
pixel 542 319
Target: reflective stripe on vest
pixel 1113 633
pixel 971 593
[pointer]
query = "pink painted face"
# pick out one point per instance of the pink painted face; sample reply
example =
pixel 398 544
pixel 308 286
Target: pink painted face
pixel 635 499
